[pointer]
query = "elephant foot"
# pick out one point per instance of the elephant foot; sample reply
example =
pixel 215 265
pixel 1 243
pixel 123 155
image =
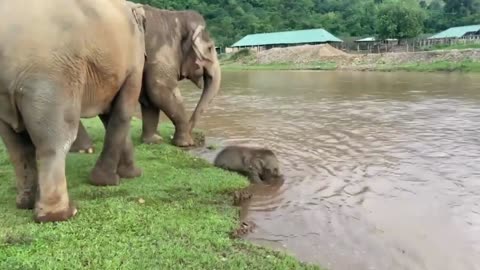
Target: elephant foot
pixel 90 150
pixel 129 171
pixel 55 216
pixel 102 177
pixel 183 140
pixel 83 149
pixel 25 201
pixel 154 139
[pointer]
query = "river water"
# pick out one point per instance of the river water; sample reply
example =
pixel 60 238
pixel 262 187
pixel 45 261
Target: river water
pixel 382 169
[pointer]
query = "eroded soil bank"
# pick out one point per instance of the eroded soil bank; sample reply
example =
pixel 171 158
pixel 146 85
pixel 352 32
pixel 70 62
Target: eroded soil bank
pixel 328 57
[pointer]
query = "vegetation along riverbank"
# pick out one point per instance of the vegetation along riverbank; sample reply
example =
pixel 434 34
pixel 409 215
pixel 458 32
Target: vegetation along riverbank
pixel 326 57
pixel 178 215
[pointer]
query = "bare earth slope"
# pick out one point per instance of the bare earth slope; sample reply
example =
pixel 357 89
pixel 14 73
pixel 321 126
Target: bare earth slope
pixel 310 54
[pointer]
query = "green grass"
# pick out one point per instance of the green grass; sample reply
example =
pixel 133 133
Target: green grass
pixel 438 66
pixel 183 223
pixel 280 66
pixel 463 66
pixel 458 46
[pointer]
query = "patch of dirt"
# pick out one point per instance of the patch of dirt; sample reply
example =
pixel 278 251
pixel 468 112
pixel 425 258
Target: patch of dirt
pixel 244 228
pixel 351 61
pixel 198 138
pixel 241 196
pixel 21 239
pixel 298 54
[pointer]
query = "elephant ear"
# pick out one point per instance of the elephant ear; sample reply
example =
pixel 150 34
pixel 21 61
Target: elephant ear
pixel 258 163
pixel 203 46
pixel 139 16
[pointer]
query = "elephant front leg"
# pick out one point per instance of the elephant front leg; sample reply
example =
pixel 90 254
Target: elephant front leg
pixel 83 143
pixel 53 203
pixel 117 122
pixel 51 123
pixel 150 120
pixel 169 101
pixel 22 155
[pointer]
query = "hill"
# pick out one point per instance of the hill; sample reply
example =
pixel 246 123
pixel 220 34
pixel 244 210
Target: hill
pixel 230 20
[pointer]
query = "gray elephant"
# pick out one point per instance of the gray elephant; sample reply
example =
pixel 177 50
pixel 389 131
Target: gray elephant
pixel 260 165
pixel 62 60
pixel 178 47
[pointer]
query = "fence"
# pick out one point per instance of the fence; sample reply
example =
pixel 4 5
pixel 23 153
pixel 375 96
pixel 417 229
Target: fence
pixel 410 45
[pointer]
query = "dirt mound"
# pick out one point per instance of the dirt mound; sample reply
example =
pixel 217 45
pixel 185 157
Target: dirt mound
pixel 298 54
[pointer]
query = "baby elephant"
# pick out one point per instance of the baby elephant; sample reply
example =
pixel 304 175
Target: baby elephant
pixel 258 164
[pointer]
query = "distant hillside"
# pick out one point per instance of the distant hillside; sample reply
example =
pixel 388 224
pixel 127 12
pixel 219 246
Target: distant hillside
pixel 230 20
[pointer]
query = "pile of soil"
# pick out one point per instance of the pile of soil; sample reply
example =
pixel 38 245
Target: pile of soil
pixel 298 54
pixel 306 54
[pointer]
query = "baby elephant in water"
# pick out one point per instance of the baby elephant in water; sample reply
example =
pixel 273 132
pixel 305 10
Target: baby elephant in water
pixel 258 164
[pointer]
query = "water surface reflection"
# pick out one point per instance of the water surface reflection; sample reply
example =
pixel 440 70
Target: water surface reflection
pixel 382 169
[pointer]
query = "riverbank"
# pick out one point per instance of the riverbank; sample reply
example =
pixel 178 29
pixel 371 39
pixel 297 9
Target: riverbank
pixel 178 215
pixel 325 57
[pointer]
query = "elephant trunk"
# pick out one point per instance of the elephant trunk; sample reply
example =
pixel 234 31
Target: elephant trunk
pixel 211 82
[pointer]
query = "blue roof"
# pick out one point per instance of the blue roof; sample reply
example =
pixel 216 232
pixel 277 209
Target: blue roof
pixel 456 32
pixel 287 37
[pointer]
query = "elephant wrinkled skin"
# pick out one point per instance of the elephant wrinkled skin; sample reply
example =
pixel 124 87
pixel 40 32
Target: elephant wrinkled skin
pixel 62 60
pixel 178 47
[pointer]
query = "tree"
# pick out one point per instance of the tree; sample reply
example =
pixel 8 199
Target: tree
pixel 400 19
pixel 462 7
pixel 230 20
pixel 436 19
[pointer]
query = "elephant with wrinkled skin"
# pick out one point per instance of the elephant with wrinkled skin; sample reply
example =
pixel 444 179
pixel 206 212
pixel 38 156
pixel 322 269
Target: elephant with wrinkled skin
pixel 260 165
pixel 62 60
pixel 178 47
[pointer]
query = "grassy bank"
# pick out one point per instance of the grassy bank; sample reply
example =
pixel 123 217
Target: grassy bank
pixel 280 66
pixel 445 61
pixel 444 66
pixel 458 46
pixel 438 66
pixel 178 215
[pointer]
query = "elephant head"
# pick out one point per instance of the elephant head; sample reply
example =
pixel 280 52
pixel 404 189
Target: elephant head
pixel 200 65
pixel 267 165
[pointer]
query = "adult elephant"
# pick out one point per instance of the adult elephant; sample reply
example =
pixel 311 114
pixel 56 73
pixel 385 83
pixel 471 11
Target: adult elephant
pixel 178 47
pixel 62 60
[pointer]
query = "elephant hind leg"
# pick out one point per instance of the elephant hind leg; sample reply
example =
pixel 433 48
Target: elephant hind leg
pixel 83 143
pixel 51 121
pixel 22 156
pixel 150 120
pixel 126 166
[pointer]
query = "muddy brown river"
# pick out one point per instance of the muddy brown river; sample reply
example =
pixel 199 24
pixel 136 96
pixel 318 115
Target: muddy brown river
pixel 382 169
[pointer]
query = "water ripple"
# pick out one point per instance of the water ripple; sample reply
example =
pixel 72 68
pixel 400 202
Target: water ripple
pixel 381 169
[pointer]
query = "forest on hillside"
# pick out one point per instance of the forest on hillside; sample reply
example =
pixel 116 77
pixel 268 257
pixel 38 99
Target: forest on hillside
pixel 230 20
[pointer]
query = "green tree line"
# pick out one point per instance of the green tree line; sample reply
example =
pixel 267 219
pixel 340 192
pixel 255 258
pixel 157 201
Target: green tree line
pixel 230 20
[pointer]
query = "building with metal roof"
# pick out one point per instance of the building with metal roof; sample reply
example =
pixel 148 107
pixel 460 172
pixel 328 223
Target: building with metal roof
pixel 373 39
pixel 287 38
pixel 458 32
pixel 367 39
